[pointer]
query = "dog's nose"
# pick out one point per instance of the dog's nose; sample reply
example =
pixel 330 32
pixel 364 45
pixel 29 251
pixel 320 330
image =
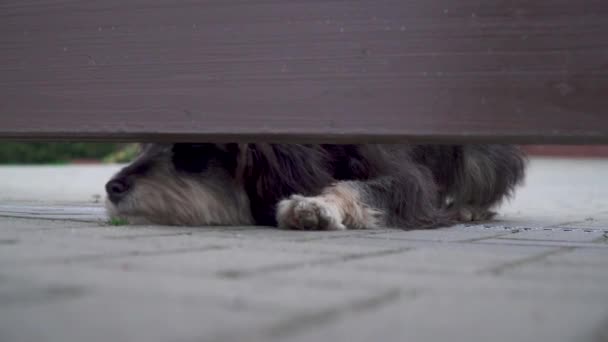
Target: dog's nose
pixel 117 189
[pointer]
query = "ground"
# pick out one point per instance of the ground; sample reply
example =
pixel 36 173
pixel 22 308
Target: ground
pixel 537 273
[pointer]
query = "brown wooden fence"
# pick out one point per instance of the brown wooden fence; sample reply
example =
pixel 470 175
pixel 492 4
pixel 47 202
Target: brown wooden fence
pixel 298 70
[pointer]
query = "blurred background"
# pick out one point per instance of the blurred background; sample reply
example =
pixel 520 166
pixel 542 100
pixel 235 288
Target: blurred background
pixel 17 153
pixel 23 153
pixel 59 172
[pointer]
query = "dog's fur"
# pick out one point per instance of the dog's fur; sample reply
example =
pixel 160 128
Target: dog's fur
pixel 315 186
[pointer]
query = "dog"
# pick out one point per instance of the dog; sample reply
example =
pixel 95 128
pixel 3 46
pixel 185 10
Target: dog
pixel 314 187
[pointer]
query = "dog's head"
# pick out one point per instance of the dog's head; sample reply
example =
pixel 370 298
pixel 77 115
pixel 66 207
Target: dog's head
pixel 213 184
pixel 180 184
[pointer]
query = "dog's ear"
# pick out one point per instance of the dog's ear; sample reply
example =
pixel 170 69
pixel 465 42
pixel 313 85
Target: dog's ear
pixel 271 172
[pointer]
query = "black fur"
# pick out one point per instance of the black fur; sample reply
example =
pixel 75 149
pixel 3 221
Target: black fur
pixel 415 186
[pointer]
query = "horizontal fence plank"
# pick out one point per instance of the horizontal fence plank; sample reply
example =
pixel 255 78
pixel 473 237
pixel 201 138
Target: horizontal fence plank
pixel 567 151
pixel 295 70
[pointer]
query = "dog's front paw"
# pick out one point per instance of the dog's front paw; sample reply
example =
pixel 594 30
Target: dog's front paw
pixel 471 214
pixel 312 213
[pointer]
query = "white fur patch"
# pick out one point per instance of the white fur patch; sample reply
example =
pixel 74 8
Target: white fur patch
pixel 337 208
pixel 315 213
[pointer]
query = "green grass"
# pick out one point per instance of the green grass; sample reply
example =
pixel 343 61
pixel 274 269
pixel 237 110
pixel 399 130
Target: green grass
pixel 123 155
pixel 117 221
pixel 54 152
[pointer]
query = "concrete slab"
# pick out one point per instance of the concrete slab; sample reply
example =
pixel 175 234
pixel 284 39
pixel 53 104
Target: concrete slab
pixel 54 184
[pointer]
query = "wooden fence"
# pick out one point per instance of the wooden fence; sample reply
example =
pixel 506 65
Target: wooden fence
pixel 305 70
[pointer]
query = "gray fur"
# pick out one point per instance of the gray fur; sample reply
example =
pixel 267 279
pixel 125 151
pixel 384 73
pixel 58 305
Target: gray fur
pixel 408 186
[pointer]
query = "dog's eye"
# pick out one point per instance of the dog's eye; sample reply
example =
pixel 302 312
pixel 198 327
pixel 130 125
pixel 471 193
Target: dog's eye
pixel 192 158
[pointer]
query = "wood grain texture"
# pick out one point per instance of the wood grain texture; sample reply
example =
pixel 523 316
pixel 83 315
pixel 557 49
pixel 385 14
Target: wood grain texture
pixel 298 70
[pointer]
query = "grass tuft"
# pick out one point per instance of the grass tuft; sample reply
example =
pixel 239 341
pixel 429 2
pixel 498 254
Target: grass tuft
pixel 118 221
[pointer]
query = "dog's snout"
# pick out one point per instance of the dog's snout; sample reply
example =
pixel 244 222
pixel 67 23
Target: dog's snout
pixel 117 189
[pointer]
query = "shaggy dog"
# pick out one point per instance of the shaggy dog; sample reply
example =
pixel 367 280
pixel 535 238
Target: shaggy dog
pixel 326 187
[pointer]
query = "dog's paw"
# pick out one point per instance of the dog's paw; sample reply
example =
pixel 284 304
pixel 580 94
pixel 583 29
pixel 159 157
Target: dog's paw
pixel 311 213
pixel 469 214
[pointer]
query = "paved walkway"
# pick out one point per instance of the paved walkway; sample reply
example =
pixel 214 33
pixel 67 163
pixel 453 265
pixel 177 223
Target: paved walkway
pixel 539 273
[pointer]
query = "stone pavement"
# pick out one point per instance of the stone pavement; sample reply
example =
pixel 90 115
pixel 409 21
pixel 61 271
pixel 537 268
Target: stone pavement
pixel 537 273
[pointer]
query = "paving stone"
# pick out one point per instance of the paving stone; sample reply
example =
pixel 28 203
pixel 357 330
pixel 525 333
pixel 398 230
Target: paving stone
pixel 534 221
pixel 449 259
pixel 593 222
pixel 126 317
pixel 586 256
pixel 234 262
pixel 70 290
pixel 542 243
pixel 556 235
pixel 537 273
pixel 456 283
pixel 275 234
pixel 441 316
pixel 54 212
pixel 61 246
pixel 458 233
pixel 16 224
pixel 36 285
pixel 563 267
